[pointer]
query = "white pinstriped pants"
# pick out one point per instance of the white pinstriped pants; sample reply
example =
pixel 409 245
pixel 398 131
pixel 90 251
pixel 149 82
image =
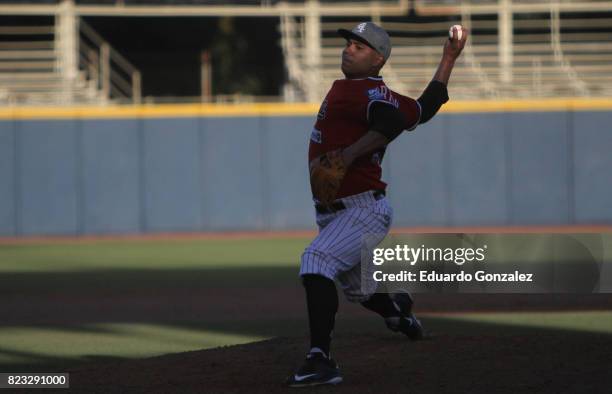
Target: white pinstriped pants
pixel 336 252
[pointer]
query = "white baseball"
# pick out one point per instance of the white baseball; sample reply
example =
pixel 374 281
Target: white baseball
pixel 459 32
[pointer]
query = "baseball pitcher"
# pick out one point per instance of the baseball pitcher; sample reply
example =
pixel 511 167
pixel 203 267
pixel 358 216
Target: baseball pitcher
pixel 358 118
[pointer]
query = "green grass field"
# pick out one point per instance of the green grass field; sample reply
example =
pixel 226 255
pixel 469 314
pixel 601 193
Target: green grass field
pixel 150 255
pixel 30 274
pixel 68 303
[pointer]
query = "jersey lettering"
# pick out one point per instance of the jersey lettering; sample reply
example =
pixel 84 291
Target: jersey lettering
pixel 382 93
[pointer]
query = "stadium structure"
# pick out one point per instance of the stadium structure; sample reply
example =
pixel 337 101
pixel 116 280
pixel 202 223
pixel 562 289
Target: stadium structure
pixel 518 48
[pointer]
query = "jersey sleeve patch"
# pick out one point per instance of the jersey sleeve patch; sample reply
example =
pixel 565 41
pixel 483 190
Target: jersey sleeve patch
pixel 315 136
pixel 375 94
pixel 380 94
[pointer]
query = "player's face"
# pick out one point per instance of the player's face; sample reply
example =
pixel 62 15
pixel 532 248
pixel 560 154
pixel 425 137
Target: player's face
pixel 360 61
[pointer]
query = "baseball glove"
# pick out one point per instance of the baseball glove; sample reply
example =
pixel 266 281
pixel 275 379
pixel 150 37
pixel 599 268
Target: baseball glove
pixel 326 174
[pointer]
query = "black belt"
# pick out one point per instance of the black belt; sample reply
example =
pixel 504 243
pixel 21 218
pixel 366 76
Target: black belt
pixel 339 205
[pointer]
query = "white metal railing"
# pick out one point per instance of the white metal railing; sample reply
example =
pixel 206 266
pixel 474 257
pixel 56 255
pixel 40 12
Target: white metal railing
pixel 480 7
pixel 276 8
pixel 44 70
pixel 549 54
pixel 555 40
pixel 516 60
pixel 114 76
pixel 291 42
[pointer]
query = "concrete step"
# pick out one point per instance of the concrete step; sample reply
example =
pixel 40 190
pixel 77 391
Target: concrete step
pixel 27 45
pixel 26 66
pixel 49 99
pixel 42 87
pixel 32 54
pixel 29 76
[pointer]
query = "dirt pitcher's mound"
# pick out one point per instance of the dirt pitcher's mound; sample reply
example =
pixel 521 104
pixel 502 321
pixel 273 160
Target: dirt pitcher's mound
pixel 529 362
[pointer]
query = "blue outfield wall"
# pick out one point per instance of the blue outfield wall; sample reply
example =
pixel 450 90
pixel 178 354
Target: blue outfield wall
pixel 104 176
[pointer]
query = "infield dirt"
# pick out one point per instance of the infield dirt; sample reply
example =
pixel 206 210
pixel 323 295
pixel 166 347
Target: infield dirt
pixel 462 357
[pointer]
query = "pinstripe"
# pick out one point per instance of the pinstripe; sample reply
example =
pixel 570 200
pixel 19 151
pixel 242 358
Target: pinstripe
pixel 309 262
pixel 353 228
pixel 330 228
pixel 336 252
pixel 340 226
pixel 356 231
pixel 348 243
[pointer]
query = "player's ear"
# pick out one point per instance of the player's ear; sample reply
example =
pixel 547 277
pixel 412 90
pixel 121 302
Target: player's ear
pixel 380 61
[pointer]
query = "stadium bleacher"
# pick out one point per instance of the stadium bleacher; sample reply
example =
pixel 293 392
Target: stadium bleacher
pixel 31 68
pixel 46 62
pixel 517 49
pixel 567 54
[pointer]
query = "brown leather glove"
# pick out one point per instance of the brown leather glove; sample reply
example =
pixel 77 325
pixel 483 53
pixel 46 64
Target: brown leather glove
pixel 326 174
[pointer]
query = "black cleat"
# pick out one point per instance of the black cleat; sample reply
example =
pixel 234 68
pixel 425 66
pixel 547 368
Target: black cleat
pixel 406 323
pixel 317 370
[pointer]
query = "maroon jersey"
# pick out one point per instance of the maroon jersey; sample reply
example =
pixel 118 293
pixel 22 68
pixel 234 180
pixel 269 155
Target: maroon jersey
pixel 343 119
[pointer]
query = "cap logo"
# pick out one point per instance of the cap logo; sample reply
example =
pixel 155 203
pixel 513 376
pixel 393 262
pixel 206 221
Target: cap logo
pixel 361 27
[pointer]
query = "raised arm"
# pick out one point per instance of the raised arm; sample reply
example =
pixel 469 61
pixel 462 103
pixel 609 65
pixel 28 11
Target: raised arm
pixel 452 49
pixel 434 96
pixel 386 122
pixel 436 93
